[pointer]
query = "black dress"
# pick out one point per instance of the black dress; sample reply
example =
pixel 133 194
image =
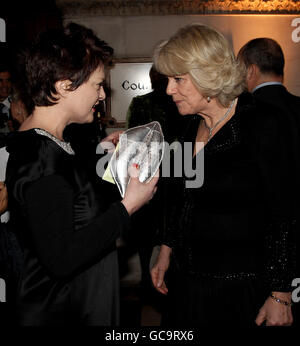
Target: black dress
pixel 233 238
pixel 70 271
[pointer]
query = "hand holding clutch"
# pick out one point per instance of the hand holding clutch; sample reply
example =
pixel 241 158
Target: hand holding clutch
pixel 142 146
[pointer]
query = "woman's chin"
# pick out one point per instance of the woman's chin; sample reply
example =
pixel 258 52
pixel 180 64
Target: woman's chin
pixel 89 117
pixel 82 120
pixel 183 111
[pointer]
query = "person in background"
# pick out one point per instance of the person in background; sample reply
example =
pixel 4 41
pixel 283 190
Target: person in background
pixel 143 109
pixel 66 230
pixel 11 256
pixel 5 90
pixel 155 106
pixel 231 239
pixel 264 61
pixel 18 111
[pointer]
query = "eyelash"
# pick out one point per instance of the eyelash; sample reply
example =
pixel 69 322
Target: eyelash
pixel 102 84
pixel 99 86
pixel 178 79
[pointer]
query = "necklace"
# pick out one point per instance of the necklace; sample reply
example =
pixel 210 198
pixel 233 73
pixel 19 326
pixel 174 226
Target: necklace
pixel 210 129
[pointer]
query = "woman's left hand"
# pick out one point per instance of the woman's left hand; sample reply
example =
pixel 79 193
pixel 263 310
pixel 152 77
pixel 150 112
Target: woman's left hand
pixel 113 137
pixel 274 313
pixel 110 142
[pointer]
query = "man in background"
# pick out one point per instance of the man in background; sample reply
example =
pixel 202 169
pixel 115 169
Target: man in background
pixel 156 106
pixel 264 61
pixel 5 90
pixel 149 221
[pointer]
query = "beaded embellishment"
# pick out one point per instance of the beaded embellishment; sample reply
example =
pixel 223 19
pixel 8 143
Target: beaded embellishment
pixel 64 145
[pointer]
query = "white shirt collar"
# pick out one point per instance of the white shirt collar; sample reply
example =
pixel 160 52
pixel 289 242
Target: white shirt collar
pixel 6 102
pixel 265 84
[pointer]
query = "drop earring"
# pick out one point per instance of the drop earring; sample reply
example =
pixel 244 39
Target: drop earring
pixel 208 99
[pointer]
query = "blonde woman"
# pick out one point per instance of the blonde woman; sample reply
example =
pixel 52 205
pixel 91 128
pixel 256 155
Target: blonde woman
pixel 231 240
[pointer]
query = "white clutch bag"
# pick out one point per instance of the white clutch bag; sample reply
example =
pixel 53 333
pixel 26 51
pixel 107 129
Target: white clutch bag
pixel 141 145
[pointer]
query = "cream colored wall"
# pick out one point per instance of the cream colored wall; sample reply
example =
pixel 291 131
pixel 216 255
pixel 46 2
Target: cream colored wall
pixel 137 36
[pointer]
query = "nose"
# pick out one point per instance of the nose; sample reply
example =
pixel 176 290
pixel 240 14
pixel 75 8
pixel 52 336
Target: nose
pixel 102 94
pixel 5 83
pixel 171 87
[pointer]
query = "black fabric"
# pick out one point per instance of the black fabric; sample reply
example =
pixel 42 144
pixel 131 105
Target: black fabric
pixel 3 139
pixel 68 235
pixel 277 95
pixel 206 302
pixel 11 261
pixel 289 105
pixel 11 256
pixel 243 219
pixel 156 106
pixel 3 116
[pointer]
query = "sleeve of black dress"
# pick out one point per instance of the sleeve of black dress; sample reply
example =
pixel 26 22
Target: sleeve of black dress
pixel 63 250
pixel 277 164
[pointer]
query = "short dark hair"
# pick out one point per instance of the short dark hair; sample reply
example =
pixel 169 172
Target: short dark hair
pixel 264 52
pixel 4 67
pixel 72 53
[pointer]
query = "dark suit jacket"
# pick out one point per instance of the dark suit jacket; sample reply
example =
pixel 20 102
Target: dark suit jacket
pixel 289 104
pixel 278 96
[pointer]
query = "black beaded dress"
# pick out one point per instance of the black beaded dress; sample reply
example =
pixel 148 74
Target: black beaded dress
pixel 70 271
pixel 233 237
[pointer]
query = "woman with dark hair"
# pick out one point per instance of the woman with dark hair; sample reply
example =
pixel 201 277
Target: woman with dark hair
pixel 70 271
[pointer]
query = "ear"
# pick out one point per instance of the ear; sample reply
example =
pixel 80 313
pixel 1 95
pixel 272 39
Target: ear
pixel 252 77
pixel 250 72
pixel 62 87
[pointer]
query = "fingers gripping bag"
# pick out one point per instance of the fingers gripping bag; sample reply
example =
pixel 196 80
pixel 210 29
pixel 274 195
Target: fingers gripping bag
pixel 142 145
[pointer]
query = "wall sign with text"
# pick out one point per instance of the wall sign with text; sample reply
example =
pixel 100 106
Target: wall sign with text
pixel 127 80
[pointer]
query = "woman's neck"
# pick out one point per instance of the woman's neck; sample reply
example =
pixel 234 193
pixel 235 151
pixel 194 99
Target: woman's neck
pixel 46 118
pixel 219 118
pixel 216 114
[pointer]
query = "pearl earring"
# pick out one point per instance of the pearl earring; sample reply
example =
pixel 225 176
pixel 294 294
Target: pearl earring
pixel 208 99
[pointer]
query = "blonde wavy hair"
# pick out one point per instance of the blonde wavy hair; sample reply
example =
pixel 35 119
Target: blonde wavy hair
pixel 207 57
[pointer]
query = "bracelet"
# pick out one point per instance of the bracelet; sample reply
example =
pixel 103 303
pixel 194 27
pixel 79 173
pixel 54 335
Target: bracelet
pixel 284 302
